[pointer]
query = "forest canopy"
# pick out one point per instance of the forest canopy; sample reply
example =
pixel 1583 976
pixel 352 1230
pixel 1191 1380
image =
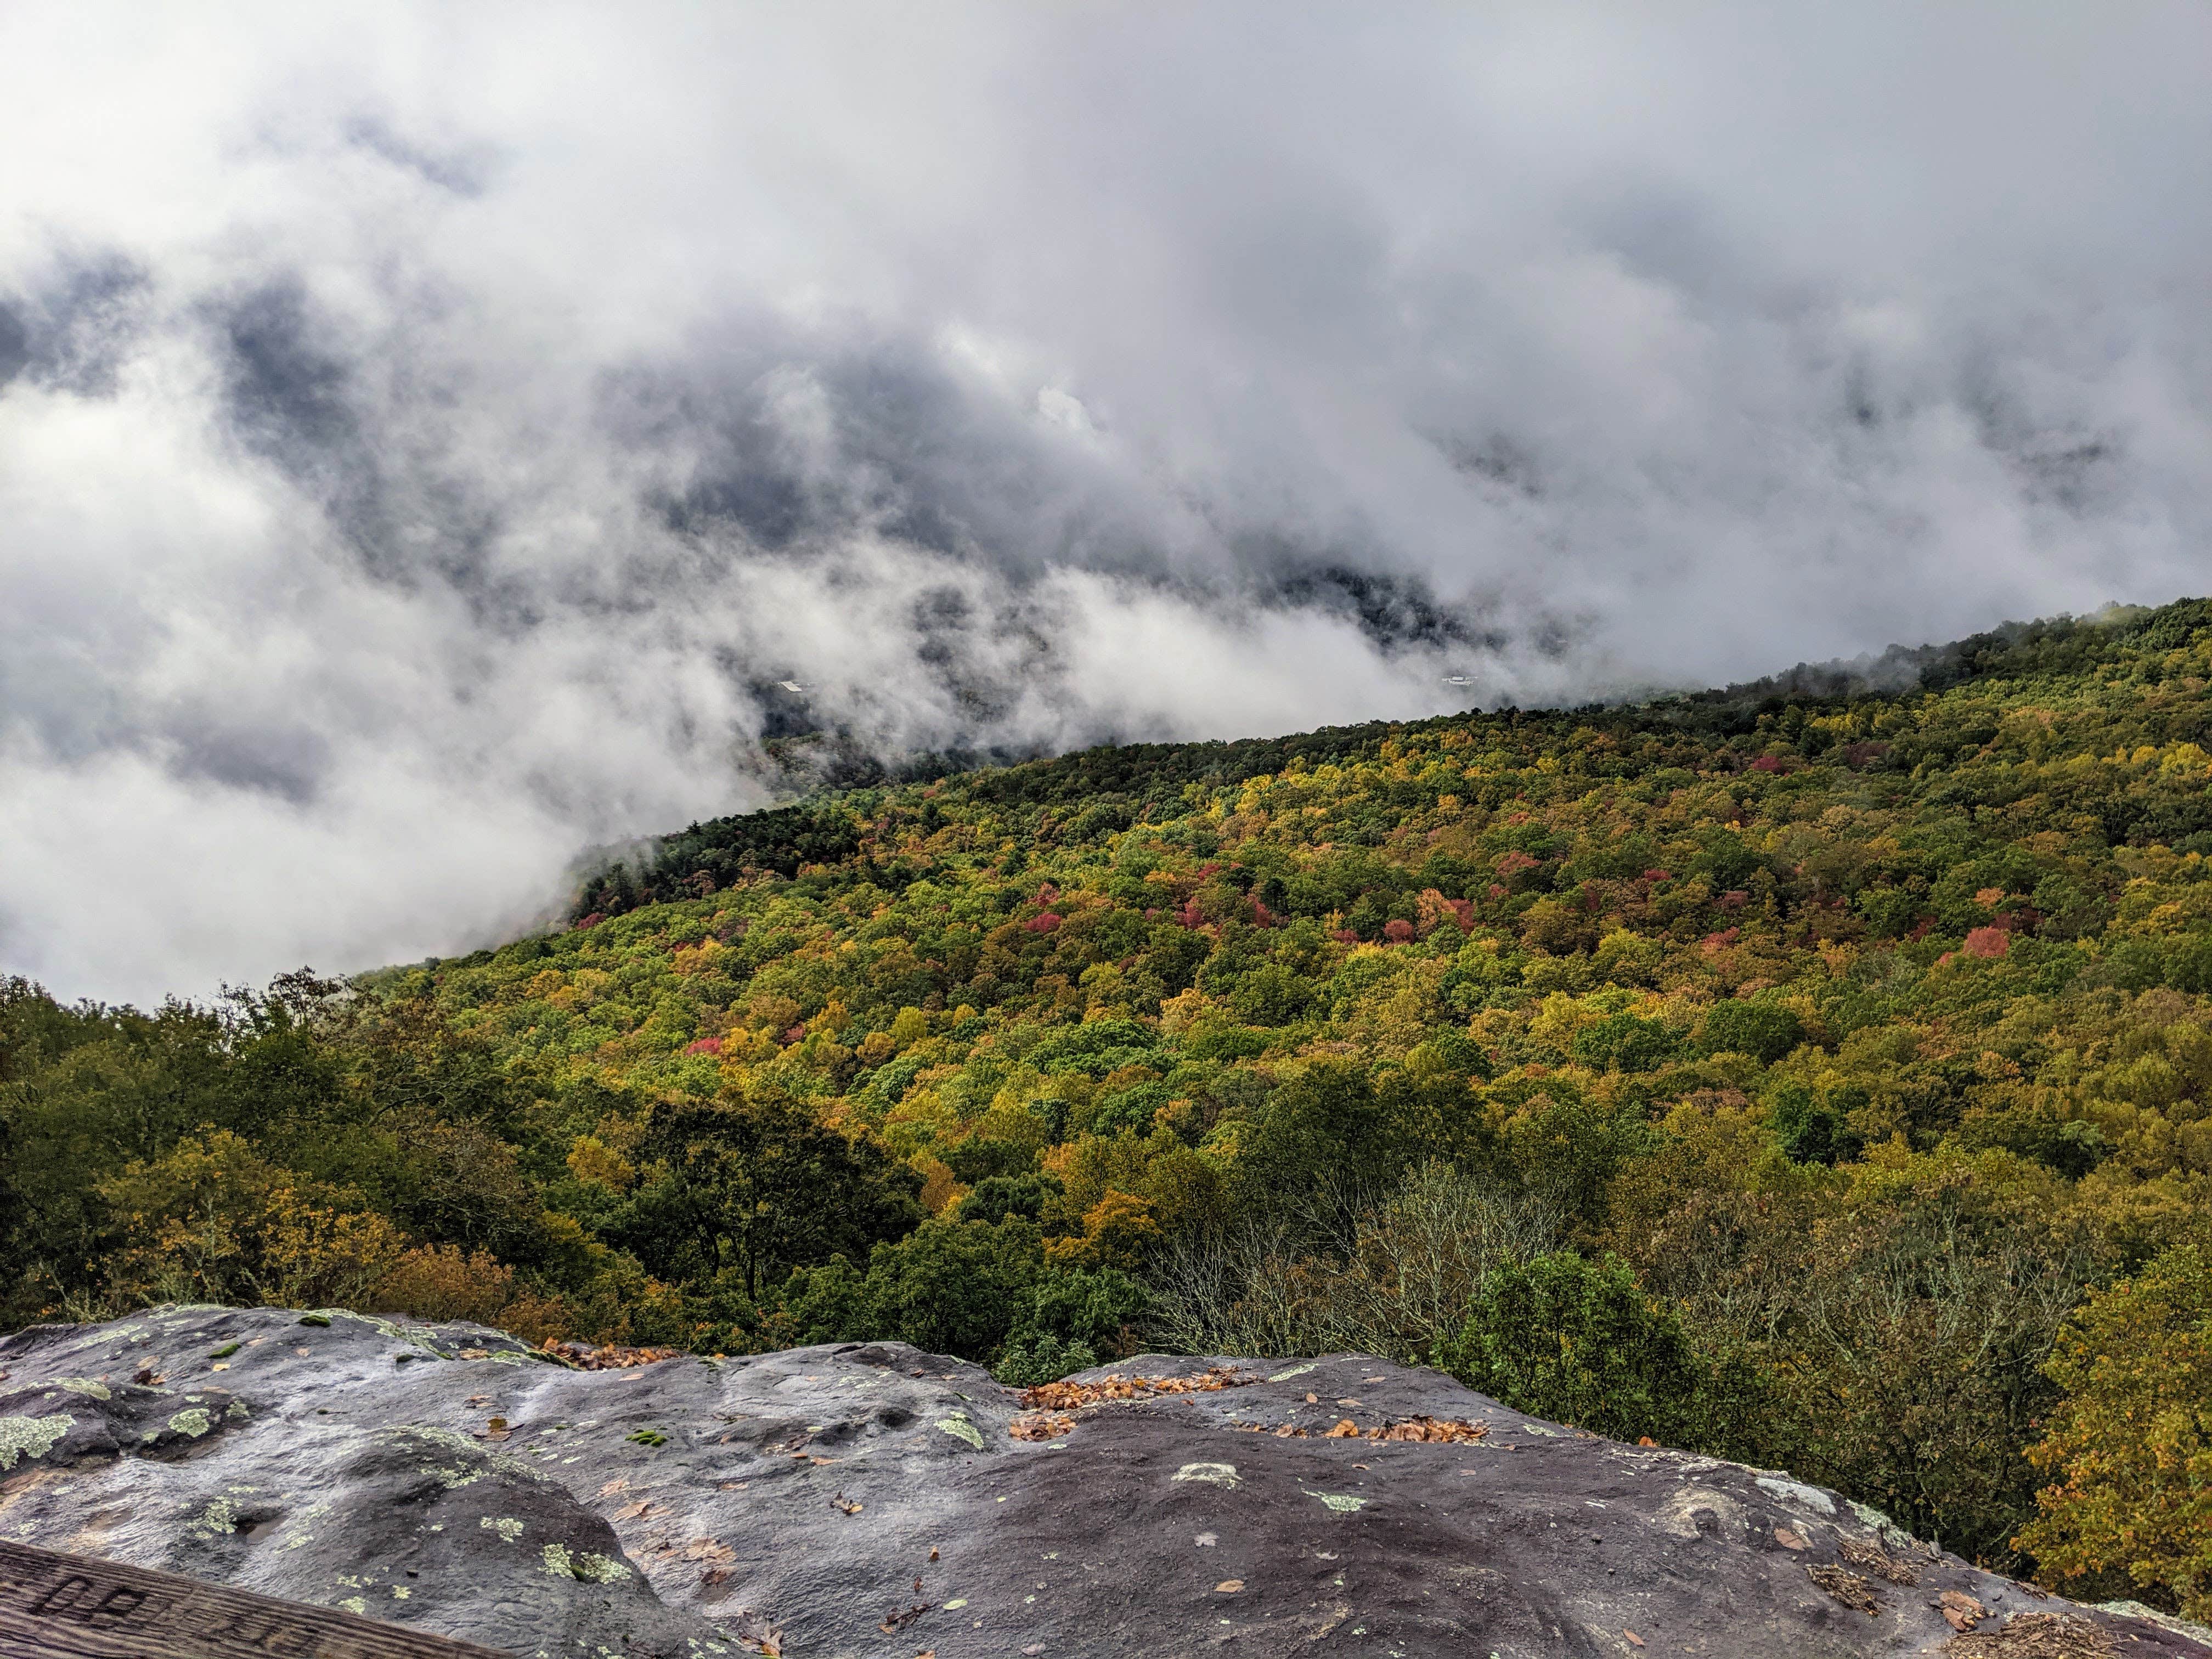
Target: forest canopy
pixel 1804 1072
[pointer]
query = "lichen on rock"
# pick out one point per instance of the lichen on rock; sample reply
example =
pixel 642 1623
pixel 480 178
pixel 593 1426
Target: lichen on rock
pixel 31 1437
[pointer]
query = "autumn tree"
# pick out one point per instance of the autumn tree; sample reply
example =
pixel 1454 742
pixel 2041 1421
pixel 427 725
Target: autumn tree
pixel 2130 1446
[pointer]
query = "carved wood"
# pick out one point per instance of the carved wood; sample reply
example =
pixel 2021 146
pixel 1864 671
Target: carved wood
pixel 75 1606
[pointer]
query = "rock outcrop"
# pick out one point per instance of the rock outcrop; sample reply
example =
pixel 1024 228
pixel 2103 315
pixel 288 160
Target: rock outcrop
pixel 875 1500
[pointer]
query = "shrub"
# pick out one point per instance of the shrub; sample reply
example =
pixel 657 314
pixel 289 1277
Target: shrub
pixel 437 1282
pixel 1579 1342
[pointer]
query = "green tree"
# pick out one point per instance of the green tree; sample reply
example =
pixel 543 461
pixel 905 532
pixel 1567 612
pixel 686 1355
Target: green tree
pixel 761 1185
pixel 1580 1342
pixel 1761 1030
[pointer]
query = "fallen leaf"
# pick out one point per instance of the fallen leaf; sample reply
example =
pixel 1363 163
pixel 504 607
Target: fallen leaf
pixel 933 1552
pixel 220 1366
pixel 1228 1587
pixel 1867 1554
pixel 1788 1540
pixel 1845 1587
pixel 474 1398
pixel 1634 1640
pixel 632 1511
pixel 1960 1610
pixel 1645 1440
pixel 1347 1402
pixel 1313 1400
pixel 1073 1396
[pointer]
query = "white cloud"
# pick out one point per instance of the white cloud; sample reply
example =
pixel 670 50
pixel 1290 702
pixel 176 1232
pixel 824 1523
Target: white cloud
pixel 431 430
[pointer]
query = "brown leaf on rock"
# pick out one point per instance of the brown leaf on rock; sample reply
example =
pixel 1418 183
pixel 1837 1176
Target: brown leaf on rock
pixel 1789 1539
pixel 1228 1587
pixel 1960 1610
pixel 1866 1553
pixel 608 1357
pixel 1633 1639
pixel 1844 1586
pixel 1041 1425
pixel 1074 1396
pixel 2035 1636
pixel 894 1619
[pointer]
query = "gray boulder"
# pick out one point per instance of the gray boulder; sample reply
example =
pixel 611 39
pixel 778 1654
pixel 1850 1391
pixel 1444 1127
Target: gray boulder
pixel 875 1500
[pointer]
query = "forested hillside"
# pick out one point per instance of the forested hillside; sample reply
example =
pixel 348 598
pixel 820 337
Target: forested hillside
pixel 1809 1074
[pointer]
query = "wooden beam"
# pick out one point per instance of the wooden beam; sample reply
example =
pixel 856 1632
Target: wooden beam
pixel 75 1607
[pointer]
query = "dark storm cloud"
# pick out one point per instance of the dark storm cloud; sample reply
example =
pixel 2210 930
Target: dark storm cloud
pixel 433 441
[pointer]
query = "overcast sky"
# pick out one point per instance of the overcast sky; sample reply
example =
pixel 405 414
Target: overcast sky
pixel 426 432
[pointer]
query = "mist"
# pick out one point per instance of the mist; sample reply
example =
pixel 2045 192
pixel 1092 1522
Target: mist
pixel 428 435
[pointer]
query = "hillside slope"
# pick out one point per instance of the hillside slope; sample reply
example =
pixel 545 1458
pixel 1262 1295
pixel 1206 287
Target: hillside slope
pixel 1802 1073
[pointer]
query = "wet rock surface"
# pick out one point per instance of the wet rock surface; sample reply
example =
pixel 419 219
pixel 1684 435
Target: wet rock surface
pixel 871 1499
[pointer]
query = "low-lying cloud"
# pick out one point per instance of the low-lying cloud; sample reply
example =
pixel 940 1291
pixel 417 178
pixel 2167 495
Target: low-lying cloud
pixel 427 437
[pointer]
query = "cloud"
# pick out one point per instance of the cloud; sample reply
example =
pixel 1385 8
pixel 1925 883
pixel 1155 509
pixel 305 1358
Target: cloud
pixel 426 436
